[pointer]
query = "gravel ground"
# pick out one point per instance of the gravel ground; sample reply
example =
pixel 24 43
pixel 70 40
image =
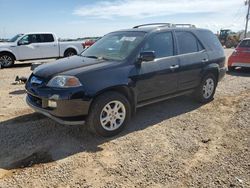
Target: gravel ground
pixel 177 143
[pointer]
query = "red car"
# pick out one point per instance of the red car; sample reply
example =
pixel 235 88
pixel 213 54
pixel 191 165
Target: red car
pixel 241 55
pixel 90 42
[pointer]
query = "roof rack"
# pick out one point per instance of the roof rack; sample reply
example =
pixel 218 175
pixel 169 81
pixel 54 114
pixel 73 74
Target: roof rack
pixel 184 25
pixel 160 25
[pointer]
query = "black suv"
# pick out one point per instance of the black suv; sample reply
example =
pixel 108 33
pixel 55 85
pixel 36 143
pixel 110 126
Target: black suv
pixel 105 84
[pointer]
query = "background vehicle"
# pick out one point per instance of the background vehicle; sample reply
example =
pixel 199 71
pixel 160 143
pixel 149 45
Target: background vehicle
pixel 125 70
pixel 241 55
pixel 91 41
pixel 31 46
pixel 229 39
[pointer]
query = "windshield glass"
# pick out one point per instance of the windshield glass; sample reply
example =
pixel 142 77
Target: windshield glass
pixel 114 46
pixel 15 38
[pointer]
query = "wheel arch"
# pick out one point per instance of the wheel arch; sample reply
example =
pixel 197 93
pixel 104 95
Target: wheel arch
pixel 125 90
pixel 70 48
pixel 211 68
pixel 8 52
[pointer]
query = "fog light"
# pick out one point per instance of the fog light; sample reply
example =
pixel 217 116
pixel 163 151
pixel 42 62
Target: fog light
pixel 52 104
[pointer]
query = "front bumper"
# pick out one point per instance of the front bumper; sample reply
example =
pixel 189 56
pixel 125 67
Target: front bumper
pixel 222 73
pixel 57 119
pixel 69 112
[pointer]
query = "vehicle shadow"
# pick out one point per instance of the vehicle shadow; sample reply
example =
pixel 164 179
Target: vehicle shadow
pixel 243 72
pixel 34 139
pixel 21 65
pixel 18 92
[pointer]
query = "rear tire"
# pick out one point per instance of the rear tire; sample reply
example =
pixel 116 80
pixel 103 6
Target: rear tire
pixel 6 60
pixel 205 92
pixel 109 114
pixel 70 52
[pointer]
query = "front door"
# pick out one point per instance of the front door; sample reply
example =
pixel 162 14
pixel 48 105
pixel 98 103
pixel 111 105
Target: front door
pixel 29 48
pixel 159 77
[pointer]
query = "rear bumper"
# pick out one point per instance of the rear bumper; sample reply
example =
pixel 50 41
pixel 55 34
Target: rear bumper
pixel 222 72
pixel 240 64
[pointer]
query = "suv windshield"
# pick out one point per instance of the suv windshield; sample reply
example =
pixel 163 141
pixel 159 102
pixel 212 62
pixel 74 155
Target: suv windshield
pixel 114 46
pixel 15 38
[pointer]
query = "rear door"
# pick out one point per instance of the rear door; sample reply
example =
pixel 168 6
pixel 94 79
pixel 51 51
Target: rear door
pixel 192 57
pixel 49 46
pixel 157 78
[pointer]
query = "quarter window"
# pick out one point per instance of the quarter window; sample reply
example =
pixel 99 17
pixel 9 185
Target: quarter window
pixel 187 43
pixel 161 44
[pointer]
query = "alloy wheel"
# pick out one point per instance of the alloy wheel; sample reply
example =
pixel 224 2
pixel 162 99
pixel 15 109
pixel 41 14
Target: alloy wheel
pixel 113 115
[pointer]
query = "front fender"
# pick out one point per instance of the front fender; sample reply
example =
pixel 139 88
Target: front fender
pixel 9 51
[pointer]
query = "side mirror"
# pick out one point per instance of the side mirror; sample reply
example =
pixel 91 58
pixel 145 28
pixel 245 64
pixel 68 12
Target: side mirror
pixel 146 56
pixel 22 43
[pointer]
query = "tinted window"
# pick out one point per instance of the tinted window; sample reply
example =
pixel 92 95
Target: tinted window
pixel 245 44
pixel 210 40
pixel 161 44
pixel 187 42
pixel 47 38
pixel 28 39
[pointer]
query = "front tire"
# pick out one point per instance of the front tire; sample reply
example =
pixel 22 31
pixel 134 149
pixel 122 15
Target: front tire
pixel 109 114
pixel 206 90
pixel 6 60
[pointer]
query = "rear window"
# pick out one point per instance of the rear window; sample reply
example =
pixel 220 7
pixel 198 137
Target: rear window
pixel 47 38
pixel 245 44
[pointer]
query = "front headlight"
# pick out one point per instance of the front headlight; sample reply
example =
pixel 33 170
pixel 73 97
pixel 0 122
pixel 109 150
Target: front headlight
pixel 64 82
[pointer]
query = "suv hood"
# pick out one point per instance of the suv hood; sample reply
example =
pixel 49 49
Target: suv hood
pixel 7 44
pixel 69 66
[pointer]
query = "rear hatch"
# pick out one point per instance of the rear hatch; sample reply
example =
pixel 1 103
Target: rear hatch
pixel 243 51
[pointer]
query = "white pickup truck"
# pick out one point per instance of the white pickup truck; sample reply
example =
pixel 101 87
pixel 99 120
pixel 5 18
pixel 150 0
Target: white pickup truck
pixel 33 46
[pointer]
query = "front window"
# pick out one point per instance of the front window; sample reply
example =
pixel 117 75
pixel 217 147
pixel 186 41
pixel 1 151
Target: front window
pixel 161 44
pixel 13 39
pixel 114 46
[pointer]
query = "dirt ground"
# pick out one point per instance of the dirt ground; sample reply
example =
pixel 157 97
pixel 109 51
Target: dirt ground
pixel 177 143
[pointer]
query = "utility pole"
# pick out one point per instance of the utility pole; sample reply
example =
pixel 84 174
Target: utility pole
pixel 247 3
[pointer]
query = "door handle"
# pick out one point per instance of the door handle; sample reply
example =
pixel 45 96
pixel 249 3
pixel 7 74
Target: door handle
pixel 204 60
pixel 173 67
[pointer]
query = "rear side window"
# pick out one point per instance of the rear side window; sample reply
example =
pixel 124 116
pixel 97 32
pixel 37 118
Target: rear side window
pixel 187 42
pixel 245 44
pixel 161 44
pixel 47 38
pixel 210 39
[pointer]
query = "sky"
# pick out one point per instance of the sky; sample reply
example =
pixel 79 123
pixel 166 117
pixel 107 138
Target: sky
pixel 82 18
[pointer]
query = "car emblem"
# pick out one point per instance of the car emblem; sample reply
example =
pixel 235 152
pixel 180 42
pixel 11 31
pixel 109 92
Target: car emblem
pixel 35 80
